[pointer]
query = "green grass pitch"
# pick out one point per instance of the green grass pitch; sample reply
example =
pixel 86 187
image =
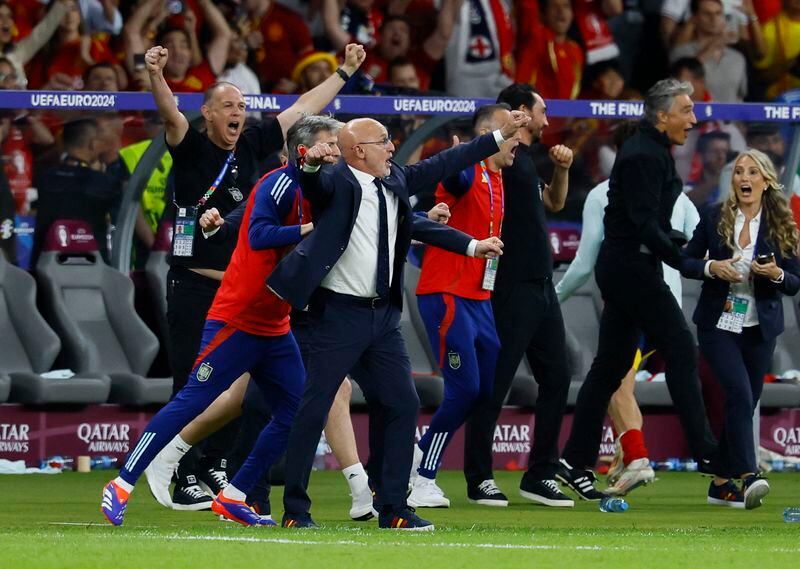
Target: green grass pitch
pixel 54 522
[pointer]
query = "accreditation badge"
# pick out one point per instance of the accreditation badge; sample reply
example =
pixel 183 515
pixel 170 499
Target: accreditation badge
pixel 183 237
pixel 733 314
pixel 490 273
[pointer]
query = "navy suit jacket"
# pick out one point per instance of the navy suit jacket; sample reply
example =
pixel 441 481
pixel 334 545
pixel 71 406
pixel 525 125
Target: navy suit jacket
pixel 768 295
pixel 335 196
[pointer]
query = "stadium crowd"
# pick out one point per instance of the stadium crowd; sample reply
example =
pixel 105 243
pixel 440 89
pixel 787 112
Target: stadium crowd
pixel 731 51
pixel 69 164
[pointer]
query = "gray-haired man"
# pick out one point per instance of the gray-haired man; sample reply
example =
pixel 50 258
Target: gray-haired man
pixel 642 191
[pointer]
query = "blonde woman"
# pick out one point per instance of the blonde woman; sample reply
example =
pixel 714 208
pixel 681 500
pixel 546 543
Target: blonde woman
pixel 751 240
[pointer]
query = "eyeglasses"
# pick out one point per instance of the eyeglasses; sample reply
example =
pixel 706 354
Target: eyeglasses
pixel 383 142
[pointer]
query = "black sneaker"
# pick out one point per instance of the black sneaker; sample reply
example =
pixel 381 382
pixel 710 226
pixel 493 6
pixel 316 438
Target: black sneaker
pixel 298 521
pixel 754 489
pixel 189 496
pixel 544 492
pixel 487 494
pixel 580 481
pixel 215 479
pixel 727 494
pixel 403 519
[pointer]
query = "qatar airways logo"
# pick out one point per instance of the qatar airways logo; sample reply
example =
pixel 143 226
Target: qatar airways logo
pixel 789 439
pixel 105 437
pixel 512 438
pixel 14 437
pixel 607 447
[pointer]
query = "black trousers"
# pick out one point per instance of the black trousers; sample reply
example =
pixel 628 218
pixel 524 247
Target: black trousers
pixel 189 296
pixel 739 362
pixel 529 322
pixel 345 331
pixel 637 300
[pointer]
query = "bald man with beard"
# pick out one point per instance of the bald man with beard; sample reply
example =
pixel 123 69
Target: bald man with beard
pixel 349 272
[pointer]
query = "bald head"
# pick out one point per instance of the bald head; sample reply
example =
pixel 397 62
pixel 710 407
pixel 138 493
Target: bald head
pixel 366 146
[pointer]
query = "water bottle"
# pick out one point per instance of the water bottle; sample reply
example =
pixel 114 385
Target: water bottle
pixel 103 462
pixel 777 465
pixel 64 463
pixel 791 514
pixel 614 505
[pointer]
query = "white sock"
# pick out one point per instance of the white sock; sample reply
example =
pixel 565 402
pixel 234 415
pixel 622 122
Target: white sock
pixel 124 485
pixel 233 493
pixel 175 450
pixel 356 478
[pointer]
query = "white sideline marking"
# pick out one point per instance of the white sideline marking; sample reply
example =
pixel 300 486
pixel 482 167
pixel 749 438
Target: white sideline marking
pixel 349 542
pixel 287 541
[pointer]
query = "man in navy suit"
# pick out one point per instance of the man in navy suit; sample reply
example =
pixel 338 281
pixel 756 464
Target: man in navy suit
pixel 349 272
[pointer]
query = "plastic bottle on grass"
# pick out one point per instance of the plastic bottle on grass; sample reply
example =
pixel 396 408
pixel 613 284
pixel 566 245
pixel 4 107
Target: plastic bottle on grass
pixel 613 505
pixel 792 515
pixel 103 462
pixel 64 463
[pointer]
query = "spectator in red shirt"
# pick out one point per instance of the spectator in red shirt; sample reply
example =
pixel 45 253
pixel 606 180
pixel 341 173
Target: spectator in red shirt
pixel 547 58
pixel 61 63
pixel 101 77
pixel 395 41
pixel 278 38
pixel 19 48
pixel 186 71
pixel 358 21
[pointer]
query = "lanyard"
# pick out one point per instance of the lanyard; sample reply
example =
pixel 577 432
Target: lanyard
pixel 485 173
pixel 213 188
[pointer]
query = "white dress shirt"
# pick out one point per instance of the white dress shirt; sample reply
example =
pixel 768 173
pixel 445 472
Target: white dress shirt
pixel 744 289
pixel 356 271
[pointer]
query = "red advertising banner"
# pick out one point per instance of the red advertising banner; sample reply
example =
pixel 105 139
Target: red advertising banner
pixel 31 435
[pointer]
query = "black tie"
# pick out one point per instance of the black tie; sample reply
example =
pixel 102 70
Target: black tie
pixel 382 286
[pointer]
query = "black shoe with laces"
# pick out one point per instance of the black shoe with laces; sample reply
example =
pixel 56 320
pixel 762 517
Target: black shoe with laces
pixel 299 521
pixel 189 496
pixel 215 478
pixel 754 488
pixel 580 481
pixel 544 492
pixel 487 494
pixel 403 519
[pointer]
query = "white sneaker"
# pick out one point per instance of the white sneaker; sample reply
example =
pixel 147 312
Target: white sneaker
pixel 362 508
pixel 426 494
pixel 617 464
pixel 415 464
pixel 637 473
pixel 159 476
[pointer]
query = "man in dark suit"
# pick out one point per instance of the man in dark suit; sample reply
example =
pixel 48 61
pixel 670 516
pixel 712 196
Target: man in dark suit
pixel 349 272
pixel 642 191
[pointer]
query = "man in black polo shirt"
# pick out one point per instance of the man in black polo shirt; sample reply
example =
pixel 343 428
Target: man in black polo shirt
pixel 216 168
pixel 74 190
pixel 527 316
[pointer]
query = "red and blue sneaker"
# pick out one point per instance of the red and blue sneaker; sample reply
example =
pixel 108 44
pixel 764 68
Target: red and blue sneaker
pixel 727 494
pixel 115 500
pixel 239 512
pixel 403 519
